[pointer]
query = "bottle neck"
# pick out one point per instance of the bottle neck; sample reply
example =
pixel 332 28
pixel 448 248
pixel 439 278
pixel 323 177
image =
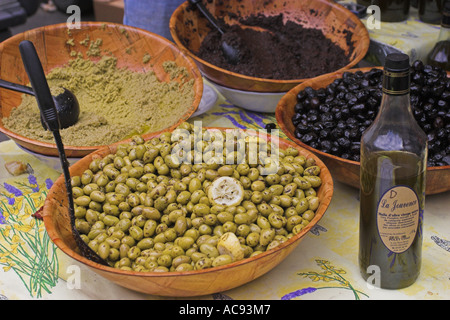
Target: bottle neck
pixel 396 101
pixel 396 83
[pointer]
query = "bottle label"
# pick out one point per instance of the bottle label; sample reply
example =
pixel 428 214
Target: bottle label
pixel 398 218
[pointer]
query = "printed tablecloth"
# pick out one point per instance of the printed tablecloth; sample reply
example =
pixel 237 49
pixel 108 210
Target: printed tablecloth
pixel 323 266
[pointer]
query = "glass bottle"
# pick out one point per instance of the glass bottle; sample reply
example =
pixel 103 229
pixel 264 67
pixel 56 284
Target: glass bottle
pixel 439 56
pixel 392 179
pixel 430 11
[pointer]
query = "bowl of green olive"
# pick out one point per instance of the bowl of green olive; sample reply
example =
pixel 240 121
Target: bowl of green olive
pixel 192 211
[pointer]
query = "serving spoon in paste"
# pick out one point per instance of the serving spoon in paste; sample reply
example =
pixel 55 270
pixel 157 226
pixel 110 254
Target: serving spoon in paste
pixel 66 103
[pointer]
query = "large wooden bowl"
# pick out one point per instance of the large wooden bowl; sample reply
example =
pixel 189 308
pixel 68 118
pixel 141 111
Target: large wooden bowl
pixel 188 29
pixel 176 284
pixel 344 170
pixel 127 44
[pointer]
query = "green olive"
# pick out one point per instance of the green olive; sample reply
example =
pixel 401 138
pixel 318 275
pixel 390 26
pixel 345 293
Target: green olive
pixel 276 220
pixel 225 170
pixel 203 263
pixel 222 260
pixel 308 215
pixel 315 181
pixel 258 185
pixel 266 236
pixel 209 250
pixel 252 239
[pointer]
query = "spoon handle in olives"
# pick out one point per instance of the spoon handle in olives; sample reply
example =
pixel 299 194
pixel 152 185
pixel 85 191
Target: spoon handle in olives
pixel 46 104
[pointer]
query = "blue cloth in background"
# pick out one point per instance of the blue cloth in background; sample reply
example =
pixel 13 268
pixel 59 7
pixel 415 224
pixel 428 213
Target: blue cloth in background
pixel 151 15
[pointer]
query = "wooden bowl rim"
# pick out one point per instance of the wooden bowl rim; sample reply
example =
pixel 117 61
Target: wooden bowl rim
pixel 365 40
pixel 84 150
pixel 324 204
pixel 282 104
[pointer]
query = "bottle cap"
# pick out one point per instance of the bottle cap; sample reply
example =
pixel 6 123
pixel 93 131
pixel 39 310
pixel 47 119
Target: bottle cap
pixel 396 62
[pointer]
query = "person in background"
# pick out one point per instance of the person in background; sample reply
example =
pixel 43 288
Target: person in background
pixel 151 15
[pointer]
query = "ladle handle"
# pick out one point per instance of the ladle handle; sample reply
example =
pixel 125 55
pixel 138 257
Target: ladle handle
pixel 16 87
pixel 207 14
pixel 36 74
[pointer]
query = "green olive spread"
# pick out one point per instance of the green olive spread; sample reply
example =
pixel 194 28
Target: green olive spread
pixel 115 103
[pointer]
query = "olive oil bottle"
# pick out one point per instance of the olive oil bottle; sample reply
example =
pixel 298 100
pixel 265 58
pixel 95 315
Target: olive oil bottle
pixel 439 56
pixel 392 193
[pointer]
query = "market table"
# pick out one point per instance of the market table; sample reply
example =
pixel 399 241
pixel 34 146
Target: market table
pixel 323 266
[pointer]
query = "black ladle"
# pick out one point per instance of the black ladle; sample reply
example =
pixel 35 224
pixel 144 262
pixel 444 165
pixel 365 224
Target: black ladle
pixel 66 103
pixel 230 53
pixel 47 107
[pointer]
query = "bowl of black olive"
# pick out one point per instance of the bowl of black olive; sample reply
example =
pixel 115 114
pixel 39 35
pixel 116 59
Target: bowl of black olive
pixel 327 115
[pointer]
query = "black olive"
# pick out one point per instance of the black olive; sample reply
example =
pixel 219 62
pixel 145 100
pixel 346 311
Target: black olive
pixel 314 103
pixel 308 137
pixel 330 91
pixel 353 86
pixel 442 104
pixel 415 88
pixel 311 117
pixel 364 83
pixel 446 160
pixel 270 126
pixel 324 107
pixel 301 95
pixel 314 144
pixel 418 65
pixel 310 92
pixel 426 91
pixel 345 112
pixel 298 134
pixel 358 108
pixel 298 108
pixel 321 94
pixel 418 78
pixel 296 118
pixel 344 142
pixel 326 145
pixel 372 102
pixel 438 90
pixel 438 122
pixel 362 95
pixel 336 133
pixel 445 95
pixel 327 116
pixel 302 128
pixel 341 125
pixel 427 127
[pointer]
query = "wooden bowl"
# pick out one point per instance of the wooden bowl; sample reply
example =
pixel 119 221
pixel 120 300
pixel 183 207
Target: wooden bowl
pixel 176 284
pixel 343 170
pixel 188 29
pixel 127 44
